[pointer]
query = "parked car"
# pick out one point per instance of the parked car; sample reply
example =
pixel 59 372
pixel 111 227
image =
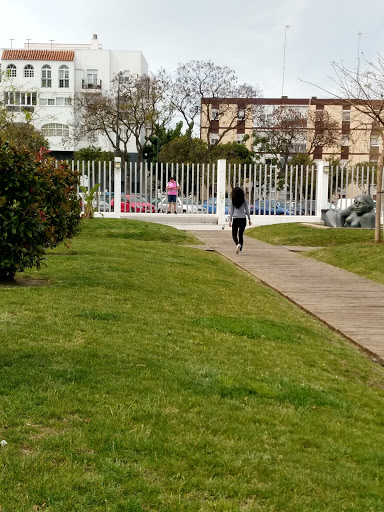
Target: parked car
pixel 296 208
pixel 270 207
pixel 135 204
pixel 183 205
pixel 210 205
pixel 103 206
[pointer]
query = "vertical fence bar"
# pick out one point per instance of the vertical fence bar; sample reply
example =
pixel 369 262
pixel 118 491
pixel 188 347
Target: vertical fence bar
pixel 341 189
pixel 301 188
pixel 306 190
pixel 265 188
pixel 312 200
pixel 275 191
pixel 337 185
pixel 110 184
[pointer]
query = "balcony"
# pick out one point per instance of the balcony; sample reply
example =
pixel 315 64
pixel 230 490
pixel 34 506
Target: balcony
pixel 91 84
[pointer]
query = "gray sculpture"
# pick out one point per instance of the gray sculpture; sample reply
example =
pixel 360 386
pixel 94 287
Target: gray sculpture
pixel 360 214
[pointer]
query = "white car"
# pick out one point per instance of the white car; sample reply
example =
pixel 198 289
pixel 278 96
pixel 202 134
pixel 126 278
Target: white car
pixel 183 205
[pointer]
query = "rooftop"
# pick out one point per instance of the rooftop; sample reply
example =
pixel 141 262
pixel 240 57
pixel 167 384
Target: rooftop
pixel 67 55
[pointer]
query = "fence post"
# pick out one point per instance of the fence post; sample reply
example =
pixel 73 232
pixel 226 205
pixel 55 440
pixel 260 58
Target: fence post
pixel 117 187
pixel 220 199
pixel 322 183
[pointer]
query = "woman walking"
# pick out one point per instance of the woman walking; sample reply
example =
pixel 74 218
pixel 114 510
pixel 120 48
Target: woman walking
pixel 238 214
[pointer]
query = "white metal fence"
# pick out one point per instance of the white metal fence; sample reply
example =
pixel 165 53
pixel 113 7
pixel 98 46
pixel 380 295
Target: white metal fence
pixel 345 183
pixel 274 195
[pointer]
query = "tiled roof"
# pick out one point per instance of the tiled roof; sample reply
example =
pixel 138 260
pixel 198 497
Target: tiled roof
pixel 38 55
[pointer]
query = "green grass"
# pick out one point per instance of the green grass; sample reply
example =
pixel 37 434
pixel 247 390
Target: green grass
pixel 150 376
pixel 302 235
pixel 351 249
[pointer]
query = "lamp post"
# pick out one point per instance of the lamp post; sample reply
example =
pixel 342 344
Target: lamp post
pixel 117 146
pixel 117 160
pixel 285 44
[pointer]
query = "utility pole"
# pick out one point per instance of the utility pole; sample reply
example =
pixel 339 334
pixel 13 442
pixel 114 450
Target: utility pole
pixel 285 44
pixel 358 52
pixel 117 146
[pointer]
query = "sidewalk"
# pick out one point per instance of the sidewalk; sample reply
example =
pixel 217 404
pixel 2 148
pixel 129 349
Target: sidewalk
pixel 347 303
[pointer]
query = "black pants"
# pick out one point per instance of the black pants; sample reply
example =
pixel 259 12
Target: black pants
pixel 238 227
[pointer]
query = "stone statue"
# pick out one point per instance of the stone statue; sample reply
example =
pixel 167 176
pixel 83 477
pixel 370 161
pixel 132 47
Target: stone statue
pixel 360 214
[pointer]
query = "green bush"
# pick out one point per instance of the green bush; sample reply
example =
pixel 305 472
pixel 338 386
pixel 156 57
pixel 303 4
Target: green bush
pixel 39 208
pixel 61 207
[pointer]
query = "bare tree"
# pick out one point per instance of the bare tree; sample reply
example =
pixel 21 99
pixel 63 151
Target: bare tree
pixel 288 131
pixel 207 93
pixel 363 91
pixel 131 109
pixel 144 106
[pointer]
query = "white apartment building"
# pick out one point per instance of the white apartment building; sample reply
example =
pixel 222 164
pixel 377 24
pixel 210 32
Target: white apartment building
pixel 44 78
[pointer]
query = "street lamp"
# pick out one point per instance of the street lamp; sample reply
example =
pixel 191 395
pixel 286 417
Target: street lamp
pixel 117 146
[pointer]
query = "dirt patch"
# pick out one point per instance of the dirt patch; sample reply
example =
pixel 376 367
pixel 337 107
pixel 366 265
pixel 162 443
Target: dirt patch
pixel 22 282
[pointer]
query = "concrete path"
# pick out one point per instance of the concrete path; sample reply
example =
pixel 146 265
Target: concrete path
pixel 349 304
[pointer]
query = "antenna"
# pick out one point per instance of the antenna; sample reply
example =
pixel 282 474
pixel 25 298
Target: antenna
pixel 51 42
pixel 11 42
pixel 285 44
pixel 358 51
pixel 28 42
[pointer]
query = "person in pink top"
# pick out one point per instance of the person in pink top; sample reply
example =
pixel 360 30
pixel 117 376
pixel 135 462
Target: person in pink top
pixel 172 188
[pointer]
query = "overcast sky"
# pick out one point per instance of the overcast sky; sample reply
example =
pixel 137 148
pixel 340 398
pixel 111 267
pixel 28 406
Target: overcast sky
pixel 246 35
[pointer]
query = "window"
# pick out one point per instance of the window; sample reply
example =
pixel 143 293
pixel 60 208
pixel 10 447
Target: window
pixel 344 140
pixel 20 100
pixel 346 116
pixel 214 114
pixel 47 101
pixel 92 77
pixel 298 147
pixel 63 101
pixel 58 101
pixel 63 76
pixel 46 76
pixel 214 138
pixel 11 70
pixel 240 138
pixel 29 71
pixel 55 130
pixel 374 140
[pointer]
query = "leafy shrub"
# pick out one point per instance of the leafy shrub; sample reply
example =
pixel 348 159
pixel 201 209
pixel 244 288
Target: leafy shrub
pixel 61 207
pixel 39 208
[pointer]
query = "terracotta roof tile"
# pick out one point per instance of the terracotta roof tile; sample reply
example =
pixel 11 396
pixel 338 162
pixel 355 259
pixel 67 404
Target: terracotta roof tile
pixel 66 55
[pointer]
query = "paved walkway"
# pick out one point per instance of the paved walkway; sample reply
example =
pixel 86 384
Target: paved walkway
pixel 352 305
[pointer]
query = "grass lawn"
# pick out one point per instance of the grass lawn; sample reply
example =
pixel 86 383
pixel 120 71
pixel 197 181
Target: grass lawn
pixel 150 376
pixel 351 249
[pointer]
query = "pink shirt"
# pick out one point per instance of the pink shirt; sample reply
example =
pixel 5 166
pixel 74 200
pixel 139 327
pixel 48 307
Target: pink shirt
pixel 172 188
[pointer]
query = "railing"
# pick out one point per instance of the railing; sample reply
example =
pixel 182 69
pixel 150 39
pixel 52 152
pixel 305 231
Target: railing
pixel 91 84
pixel 144 187
pixel 273 194
pixel 270 190
pixel 345 183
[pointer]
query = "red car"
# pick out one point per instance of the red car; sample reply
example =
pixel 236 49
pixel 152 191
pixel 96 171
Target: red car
pixel 135 204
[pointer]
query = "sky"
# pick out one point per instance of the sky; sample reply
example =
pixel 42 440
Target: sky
pixel 249 36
